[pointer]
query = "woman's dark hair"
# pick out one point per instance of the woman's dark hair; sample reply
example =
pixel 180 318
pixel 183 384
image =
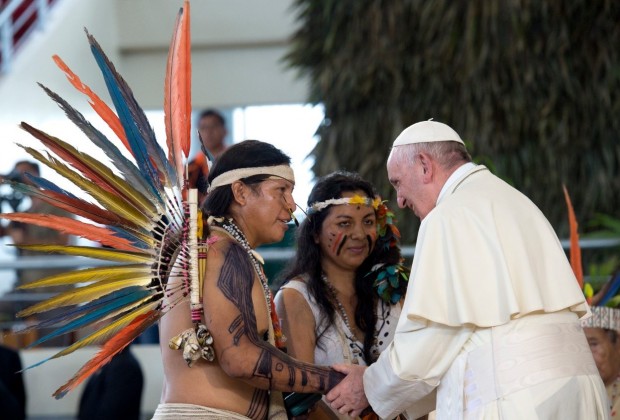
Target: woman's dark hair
pixel 247 154
pixel 308 258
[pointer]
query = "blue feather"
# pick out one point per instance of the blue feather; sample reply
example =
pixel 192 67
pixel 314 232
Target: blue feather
pixel 72 313
pixel 135 138
pixel 36 364
pixel 137 127
pixel 614 286
pixel 114 304
pixel 48 185
pixel 129 170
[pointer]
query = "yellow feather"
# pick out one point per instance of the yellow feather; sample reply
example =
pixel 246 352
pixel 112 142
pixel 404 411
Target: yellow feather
pixel 107 331
pixel 123 186
pixel 77 159
pixel 116 204
pixel 130 307
pixel 83 294
pixel 90 275
pixel 93 252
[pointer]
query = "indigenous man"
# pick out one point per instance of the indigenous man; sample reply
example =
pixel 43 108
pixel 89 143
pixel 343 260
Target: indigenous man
pixel 249 204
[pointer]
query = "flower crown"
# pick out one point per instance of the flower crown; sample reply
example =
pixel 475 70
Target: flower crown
pixel 355 200
pixel 389 275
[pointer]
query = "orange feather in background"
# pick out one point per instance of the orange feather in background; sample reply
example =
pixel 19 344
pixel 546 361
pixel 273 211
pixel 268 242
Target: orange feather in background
pixel 575 249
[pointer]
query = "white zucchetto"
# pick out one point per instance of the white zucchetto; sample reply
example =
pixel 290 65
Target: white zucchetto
pixel 427 132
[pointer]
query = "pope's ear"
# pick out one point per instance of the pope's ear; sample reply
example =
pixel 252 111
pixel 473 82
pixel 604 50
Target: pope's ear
pixel 427 165
pixel 239 190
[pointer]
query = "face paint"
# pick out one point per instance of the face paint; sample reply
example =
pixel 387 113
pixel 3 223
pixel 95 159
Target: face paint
pixel 336 243
pixel 344 239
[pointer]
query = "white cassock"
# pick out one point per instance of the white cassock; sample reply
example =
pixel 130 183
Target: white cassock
pixel 489 327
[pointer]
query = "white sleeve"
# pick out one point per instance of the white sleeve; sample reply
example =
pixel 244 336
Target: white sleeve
pixel 407 373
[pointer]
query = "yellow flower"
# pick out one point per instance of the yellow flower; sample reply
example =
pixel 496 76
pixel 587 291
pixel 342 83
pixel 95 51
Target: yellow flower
pixel 357 199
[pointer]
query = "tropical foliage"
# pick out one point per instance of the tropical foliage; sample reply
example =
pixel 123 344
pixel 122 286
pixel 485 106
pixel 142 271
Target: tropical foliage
pixel 532 86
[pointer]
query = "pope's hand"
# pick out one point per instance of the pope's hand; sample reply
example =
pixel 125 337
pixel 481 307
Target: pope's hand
pixel 348 396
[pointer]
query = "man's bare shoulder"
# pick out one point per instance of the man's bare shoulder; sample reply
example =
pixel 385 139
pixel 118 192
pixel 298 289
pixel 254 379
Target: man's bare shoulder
pixel 219 244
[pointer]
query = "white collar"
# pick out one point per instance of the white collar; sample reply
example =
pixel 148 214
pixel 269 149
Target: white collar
pixel 456 175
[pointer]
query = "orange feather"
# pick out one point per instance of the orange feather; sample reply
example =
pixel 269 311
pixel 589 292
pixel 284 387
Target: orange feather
pixel 575 249
pixel 113 346
pixel 100 107
pixel 177 92
pixel 74 227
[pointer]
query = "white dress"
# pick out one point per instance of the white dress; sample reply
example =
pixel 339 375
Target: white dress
pixel 334 346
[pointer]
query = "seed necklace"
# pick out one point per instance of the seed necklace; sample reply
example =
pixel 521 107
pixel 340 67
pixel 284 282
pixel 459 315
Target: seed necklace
pixel 353 341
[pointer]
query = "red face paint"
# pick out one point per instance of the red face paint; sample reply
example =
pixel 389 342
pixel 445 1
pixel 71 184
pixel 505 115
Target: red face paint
pixel 344 239
pixel 337 243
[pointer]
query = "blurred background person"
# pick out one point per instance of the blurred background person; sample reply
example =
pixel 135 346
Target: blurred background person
pixel 212 135
pixel 29 234
pixel 115 391
pixel 602 332
pixel 12 391
pixel 212 132
pixel 340 303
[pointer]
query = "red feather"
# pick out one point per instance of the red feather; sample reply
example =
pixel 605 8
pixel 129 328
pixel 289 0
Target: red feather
pixel 56 145
pixel 575 249
pixel 100 107
pixel 78 207
pixel 177 92
pixel 108 182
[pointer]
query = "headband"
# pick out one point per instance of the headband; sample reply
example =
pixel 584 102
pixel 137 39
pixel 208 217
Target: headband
pixel 603 317
pixel 227 178
pixel 356 199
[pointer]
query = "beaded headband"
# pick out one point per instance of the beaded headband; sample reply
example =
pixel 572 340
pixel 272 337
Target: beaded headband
pixel 227 178
pixel 356 199
pixel 603 317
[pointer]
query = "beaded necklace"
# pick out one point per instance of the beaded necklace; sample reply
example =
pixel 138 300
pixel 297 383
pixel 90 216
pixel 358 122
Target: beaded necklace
pixel 233 230
pixel 356 350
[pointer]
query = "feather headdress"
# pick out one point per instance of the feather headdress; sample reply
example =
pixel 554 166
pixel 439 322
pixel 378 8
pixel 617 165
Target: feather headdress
pixel 140 209
pixel 606 303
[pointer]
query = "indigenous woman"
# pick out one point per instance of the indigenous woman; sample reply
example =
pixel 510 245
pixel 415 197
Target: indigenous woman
pixel 341 302
pixel 231 368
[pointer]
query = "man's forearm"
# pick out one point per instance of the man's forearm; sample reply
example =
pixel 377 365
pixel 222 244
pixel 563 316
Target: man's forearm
pixel 283 373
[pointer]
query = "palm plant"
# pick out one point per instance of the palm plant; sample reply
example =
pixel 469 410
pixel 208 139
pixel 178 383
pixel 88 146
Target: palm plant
pixel 533 87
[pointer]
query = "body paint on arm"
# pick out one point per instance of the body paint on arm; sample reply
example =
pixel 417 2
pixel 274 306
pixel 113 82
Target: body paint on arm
pixel 272 369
